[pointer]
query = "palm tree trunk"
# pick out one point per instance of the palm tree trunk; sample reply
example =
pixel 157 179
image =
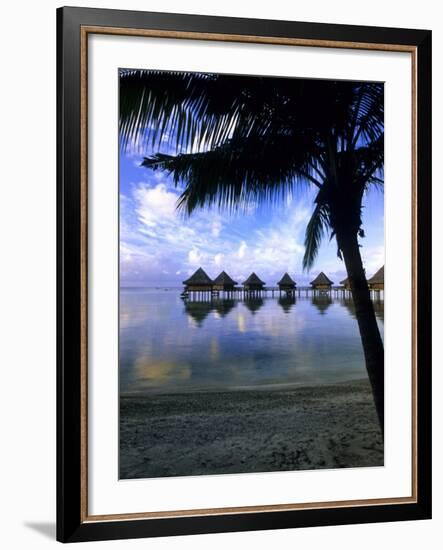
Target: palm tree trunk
pixel 364 310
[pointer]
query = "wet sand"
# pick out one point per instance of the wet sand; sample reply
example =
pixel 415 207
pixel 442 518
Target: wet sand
pixel 300 428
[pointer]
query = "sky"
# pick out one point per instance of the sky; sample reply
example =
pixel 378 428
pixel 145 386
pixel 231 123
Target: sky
pixel 159 246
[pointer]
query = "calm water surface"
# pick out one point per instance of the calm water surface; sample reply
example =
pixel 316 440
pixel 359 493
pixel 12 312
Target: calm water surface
pixel 167 345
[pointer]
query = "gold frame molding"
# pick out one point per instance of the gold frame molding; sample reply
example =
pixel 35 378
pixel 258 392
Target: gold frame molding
pixel 84 34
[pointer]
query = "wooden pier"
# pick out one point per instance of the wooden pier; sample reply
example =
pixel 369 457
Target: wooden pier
pixel 202 288
pixel 239 292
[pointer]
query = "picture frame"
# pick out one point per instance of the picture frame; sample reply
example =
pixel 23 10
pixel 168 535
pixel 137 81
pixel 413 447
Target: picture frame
pixel 74 212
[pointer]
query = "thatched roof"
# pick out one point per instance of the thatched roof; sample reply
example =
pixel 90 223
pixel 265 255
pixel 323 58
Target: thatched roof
pixel 286 280
pixel 379 277
pixel 345 281
pixel 199 278
pixel 224 279
pixel 253 280
pixel 321 279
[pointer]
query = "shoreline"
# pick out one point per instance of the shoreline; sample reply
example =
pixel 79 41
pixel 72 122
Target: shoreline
pixel 300 427
pixel 268 388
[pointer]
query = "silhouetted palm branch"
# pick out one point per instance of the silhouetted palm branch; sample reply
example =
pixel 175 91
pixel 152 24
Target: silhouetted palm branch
pixel 315 230
pixel 240 172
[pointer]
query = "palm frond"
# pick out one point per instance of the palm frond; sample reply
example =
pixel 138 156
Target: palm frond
pixel 315 231
pixel 377 182
pixel 199 110
pixel 369 124
pixel 239 172
pixel 370 162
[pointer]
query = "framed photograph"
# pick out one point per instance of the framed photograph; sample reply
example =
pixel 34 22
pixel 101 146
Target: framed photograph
pixel 234 195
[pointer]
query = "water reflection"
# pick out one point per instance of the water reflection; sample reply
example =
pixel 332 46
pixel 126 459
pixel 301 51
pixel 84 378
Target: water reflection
pixel 348 303
pixel 198 311
pixel 223 307
pixel 379 307
pixel 321 302
pixel 161 372
pixel 286 302
pixel 254 304
pixel 167 344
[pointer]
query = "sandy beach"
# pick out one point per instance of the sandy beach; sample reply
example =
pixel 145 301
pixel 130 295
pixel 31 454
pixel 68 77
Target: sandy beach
pixel 300 428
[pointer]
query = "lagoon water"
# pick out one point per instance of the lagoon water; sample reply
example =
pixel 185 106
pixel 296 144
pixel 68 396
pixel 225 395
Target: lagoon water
pixel 169 345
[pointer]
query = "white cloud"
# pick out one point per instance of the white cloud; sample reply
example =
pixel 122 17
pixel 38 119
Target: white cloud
pixel 242 250
pixel 216 228
pixel 156 238
pixel 187 243
pixel 218 259
pixel 373 259
pixel 155 205
pixel 194 256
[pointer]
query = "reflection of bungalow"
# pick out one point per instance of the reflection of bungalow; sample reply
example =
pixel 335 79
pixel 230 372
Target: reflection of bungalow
pixel 286 283
pixel 198 311
pixel 224 282
pixel 379 308
pixel 199 281
pixel 348 303
pixel 286 303
pixel 377 281
pixel 253 283
pixel 223 307
pixel 253 304
pixel 321 282
pixel 346 284
pixel 322 303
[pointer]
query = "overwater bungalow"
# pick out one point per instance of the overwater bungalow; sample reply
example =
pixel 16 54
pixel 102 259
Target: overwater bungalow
pixel 253 283
pixel 321 283
pixel 346 284
pixel 286 284
pixel 199 282
pixel 377 281
pixel 224 282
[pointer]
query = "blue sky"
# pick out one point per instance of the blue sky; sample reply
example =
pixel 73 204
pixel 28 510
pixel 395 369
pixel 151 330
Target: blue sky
pixel 160 246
